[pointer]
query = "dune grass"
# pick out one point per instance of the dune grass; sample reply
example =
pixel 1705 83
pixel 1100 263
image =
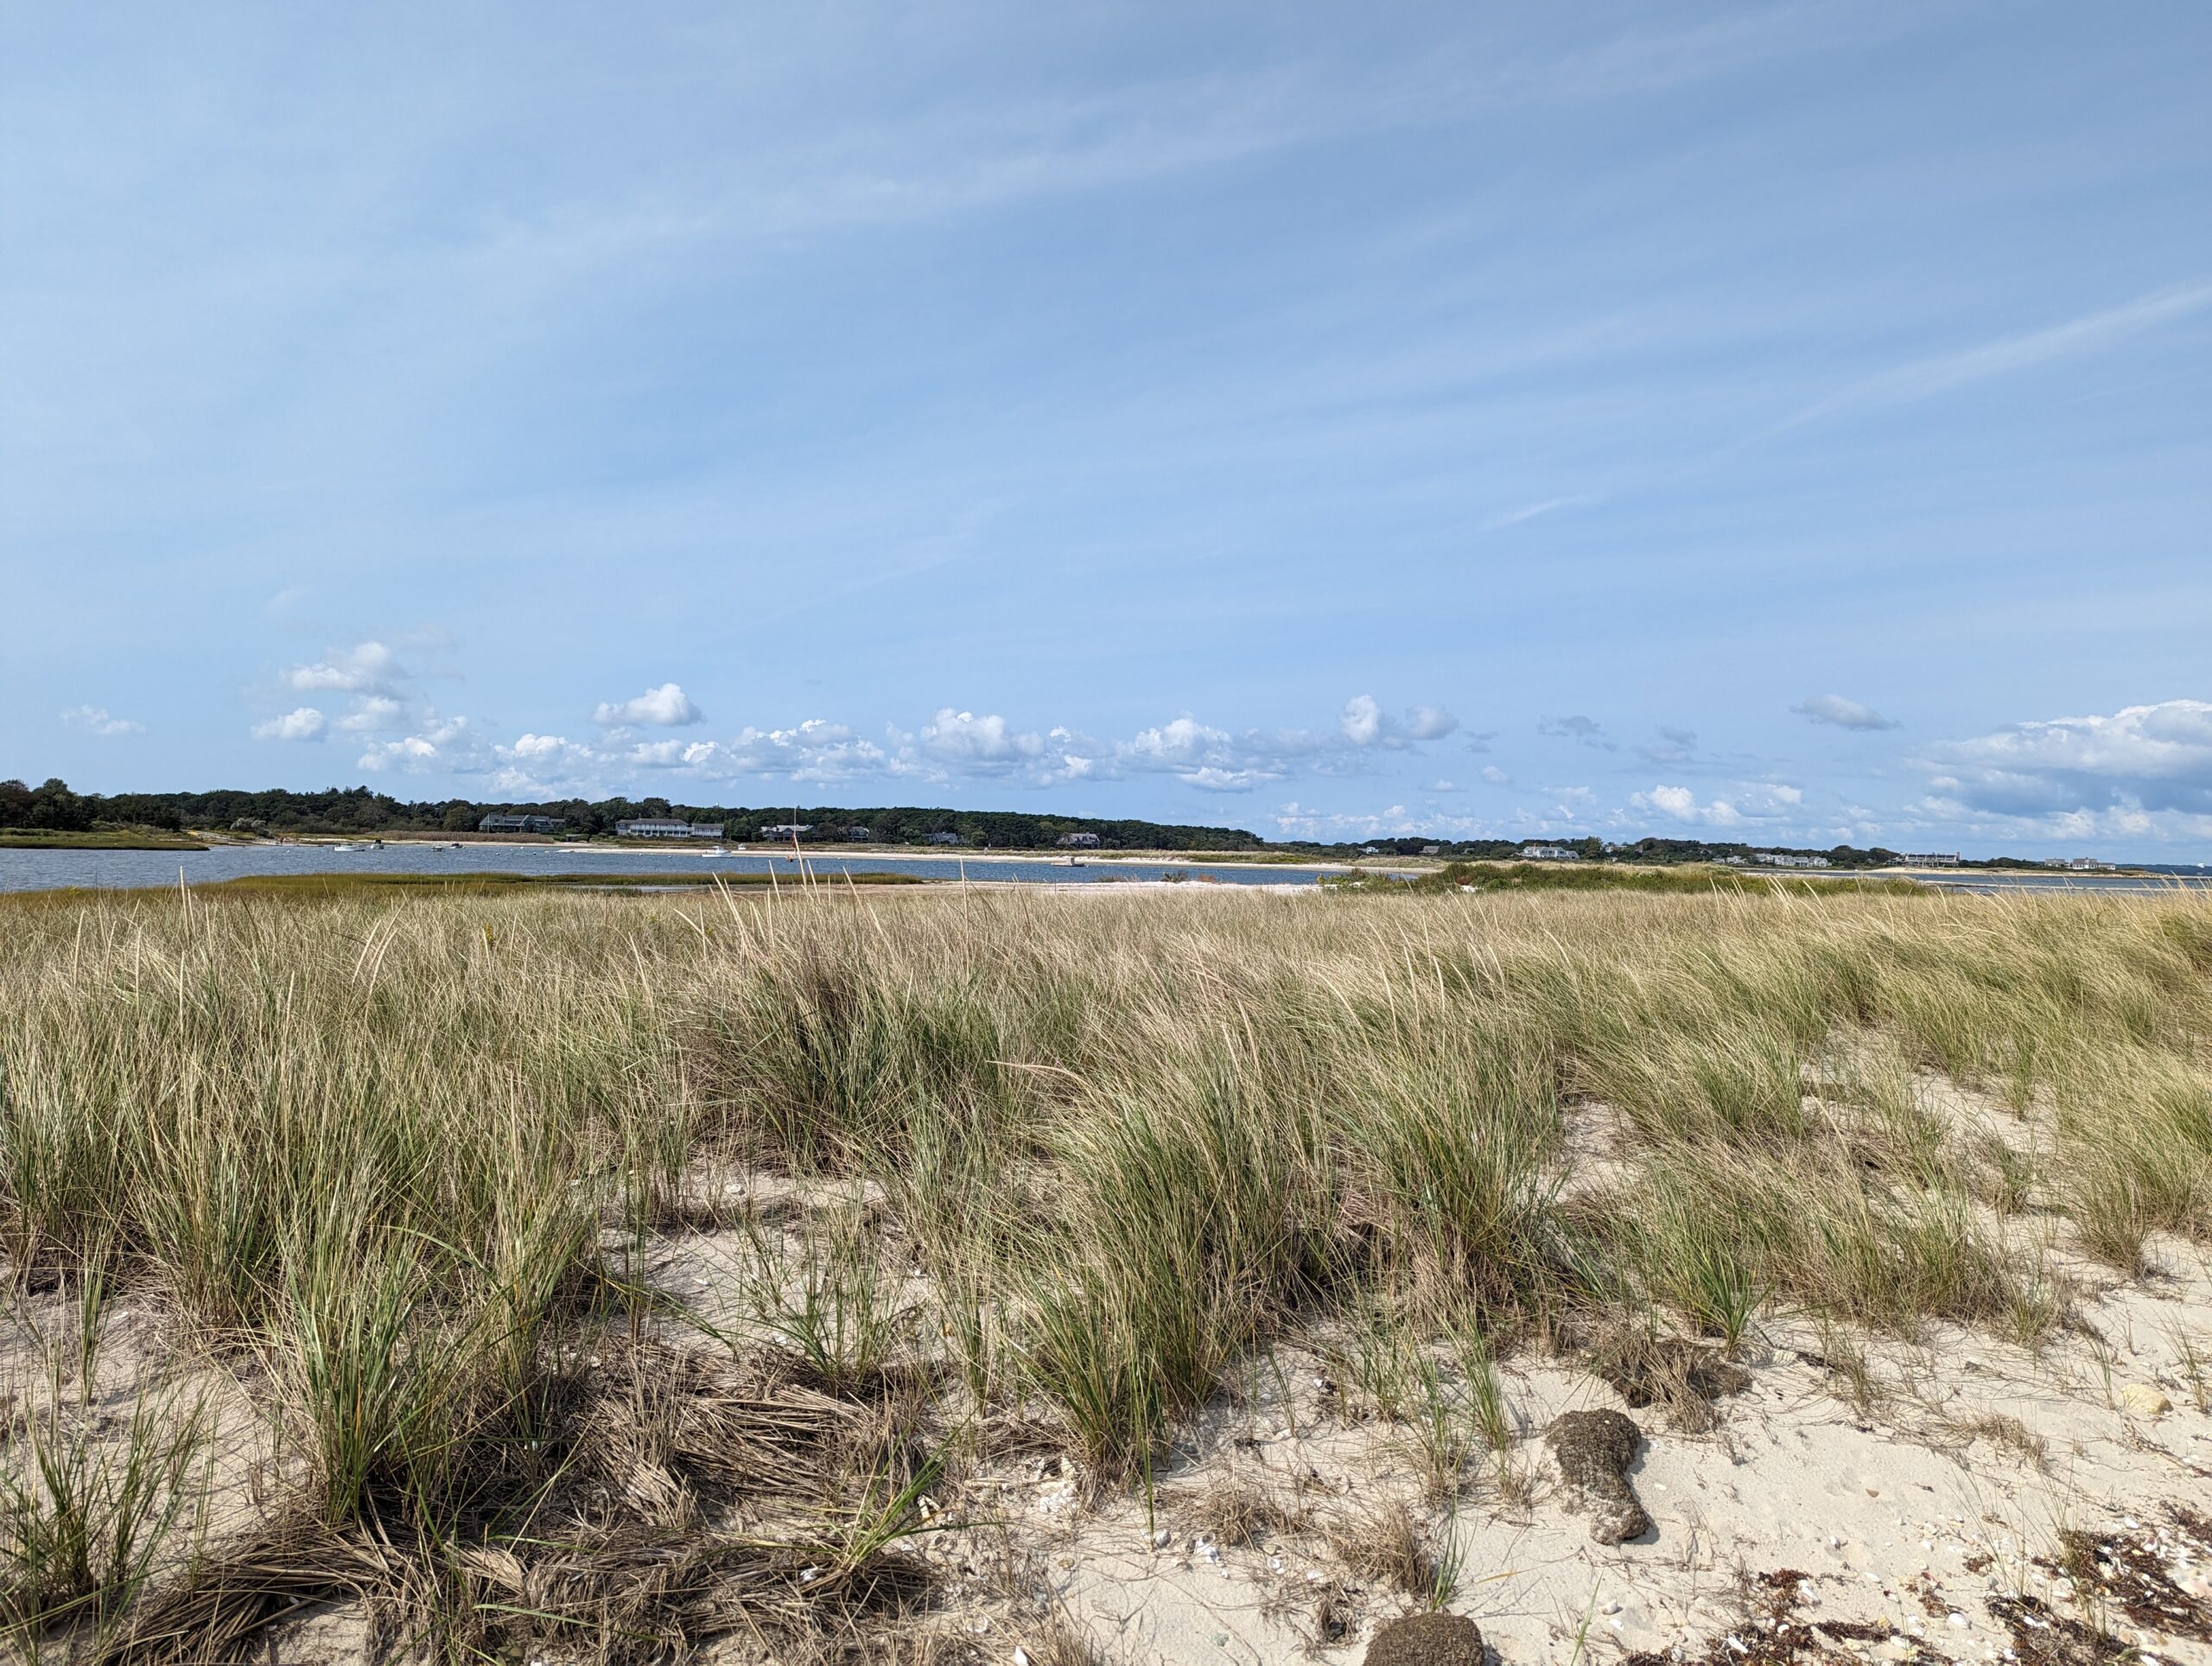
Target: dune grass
pixel 404 1146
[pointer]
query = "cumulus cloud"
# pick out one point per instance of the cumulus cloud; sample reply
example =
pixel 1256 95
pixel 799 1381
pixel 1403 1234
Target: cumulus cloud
pixel 300 723
pixel 1681 804
pixel 955 743
pixel 379 700
pixel 1757 801
pixel 371 713
pixel 2139 761
pixel 970 744
pixel 816 750
pixel 1364 723
pixel 1839 713
pixel 365 668
pixel 665 707
pixel 97 720
pixel 439 746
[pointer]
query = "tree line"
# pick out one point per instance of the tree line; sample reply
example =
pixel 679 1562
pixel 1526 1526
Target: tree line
pixel 358 811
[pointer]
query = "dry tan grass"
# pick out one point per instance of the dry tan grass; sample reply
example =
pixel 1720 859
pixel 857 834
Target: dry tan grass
pixel 408 1155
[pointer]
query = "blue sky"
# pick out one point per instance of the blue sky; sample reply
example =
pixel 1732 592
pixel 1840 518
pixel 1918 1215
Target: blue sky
pixel 1792 422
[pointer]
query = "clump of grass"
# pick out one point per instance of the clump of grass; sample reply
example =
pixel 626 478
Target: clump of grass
pixel 410 1146
pixel 85 1517
pixel 1389 1545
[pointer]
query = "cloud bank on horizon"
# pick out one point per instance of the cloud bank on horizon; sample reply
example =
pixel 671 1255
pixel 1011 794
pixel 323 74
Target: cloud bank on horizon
pixel 1758 421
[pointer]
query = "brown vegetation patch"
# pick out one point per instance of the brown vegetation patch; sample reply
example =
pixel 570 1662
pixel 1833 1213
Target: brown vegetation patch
pixel 1772 1632
pixel 651 1499
pixel 1388 1547
pixel 1682 1378
pixel 2128 1569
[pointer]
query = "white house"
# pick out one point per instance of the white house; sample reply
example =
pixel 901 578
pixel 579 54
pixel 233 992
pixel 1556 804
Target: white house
pixel 662 827
pixel 1546 853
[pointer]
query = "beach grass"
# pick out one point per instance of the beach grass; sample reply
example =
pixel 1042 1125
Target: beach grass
pixel 111 838
pixel 409 1148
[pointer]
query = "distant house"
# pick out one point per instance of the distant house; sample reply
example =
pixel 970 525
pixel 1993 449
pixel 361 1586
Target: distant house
pixel 1932 858
pixel 787 830
pixel 856 835
pixel 663 828
pixel 498 823
pixel 942 838
pixel 1431 851
pixel 1546 853
pixel 1788 859
pixel 2087 865
pixel 1079 841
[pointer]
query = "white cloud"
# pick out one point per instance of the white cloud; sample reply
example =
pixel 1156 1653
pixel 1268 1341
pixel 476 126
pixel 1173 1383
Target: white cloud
pixel 1681 804
pixel 1364 723
pixel 2141 760
pixel 365 668
pixel 816 750
pixel 665 707
pixel 1531 511
pixel 371 713
pixel 988 745
pixel 99 721
pixel 1495 776
pixel 1839 713
pixel 441 744
pixel 302 724
pixel 1747 802
pixel 1429 724
pixel 953 744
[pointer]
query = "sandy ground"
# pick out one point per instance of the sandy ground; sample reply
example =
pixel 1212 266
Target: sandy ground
pixel 1922 1490
pixel 1946 1500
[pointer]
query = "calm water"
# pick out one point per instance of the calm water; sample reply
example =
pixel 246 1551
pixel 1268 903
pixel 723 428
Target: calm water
pixel 47 870
pixel 2187 879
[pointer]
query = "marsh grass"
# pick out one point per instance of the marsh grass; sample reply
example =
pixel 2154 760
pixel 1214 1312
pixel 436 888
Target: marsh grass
pixel 413 1150
pixel 85 1515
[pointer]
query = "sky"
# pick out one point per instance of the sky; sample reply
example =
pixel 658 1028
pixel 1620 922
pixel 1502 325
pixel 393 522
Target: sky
pixel 1790 424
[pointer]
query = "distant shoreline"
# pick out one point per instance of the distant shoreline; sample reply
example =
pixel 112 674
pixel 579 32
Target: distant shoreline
pixel 872 853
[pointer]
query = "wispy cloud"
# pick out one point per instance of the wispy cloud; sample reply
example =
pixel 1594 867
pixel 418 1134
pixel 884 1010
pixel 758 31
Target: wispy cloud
pixel 1583 731
pixel 1531 511
pixel 2091 333
pixel 97 720
pixel 1839 713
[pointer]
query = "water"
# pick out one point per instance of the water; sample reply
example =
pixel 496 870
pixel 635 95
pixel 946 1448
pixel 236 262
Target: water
pixel 47 870
pixel 1991 882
